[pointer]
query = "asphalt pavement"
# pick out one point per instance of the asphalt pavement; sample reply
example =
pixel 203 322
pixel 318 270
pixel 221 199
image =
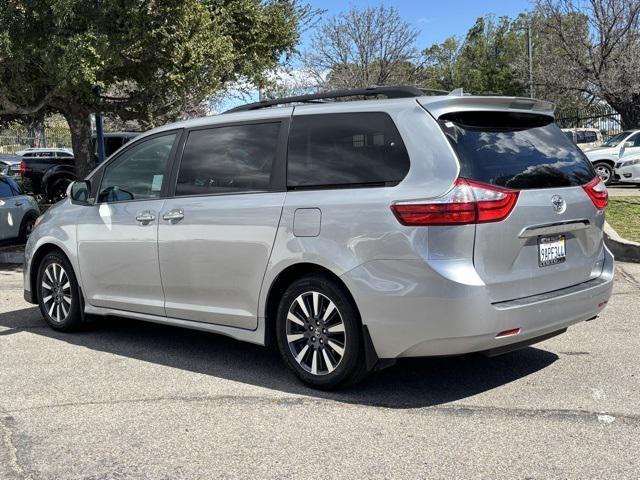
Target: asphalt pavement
pixel 132 400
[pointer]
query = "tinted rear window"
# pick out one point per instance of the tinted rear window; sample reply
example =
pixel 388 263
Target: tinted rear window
pixel 345 149
pixel 521 151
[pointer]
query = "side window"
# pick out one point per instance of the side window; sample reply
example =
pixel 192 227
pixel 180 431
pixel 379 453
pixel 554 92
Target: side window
pixel 591 137
pixel 636 140
pixel 231 159
pixel 5 188
pixel 138 173
pixel 345 149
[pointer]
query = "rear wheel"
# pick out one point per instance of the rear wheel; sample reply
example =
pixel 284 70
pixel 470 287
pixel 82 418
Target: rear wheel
pixel 319 334
pixel 58 293
pixel 58 189
pixel 605 171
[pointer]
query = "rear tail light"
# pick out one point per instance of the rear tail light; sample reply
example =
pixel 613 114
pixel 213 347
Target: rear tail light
pixel 597 191
pixel 23 168
pixel 467 202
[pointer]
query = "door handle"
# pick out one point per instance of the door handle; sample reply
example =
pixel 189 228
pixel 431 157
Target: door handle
pixel 18 203
pixel 145 218
pixel 174 215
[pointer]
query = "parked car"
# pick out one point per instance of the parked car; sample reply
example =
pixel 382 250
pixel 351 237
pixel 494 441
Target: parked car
pixel 47 171
pixel 585 138
pixel 7 161
pixel 18 212
pixel 349 234
pixel 606 156
pixel 628 169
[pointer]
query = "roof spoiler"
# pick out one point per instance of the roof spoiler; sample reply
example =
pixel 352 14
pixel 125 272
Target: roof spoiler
pixel 439 106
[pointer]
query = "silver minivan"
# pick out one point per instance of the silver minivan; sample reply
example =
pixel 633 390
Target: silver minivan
pixel 347 233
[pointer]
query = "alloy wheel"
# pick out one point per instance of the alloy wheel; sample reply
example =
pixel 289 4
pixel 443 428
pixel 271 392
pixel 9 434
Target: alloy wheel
pixel 604 172
pixel 315 333
pixel 56 292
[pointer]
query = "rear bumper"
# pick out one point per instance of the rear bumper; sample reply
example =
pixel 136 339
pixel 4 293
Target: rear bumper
pixel 412 310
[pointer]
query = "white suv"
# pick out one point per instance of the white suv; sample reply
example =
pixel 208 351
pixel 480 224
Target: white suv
pixel 611 152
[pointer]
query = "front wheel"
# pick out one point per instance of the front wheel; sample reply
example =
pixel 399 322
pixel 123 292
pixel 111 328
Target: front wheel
pixel 58 293
pixel 319 333
pixel 605 171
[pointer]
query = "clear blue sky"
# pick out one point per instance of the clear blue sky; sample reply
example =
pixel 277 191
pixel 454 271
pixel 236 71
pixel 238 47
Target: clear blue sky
pixel 436 19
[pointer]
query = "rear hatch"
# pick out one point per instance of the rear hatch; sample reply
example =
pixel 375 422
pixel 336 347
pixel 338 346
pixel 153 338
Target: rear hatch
pixel 552 238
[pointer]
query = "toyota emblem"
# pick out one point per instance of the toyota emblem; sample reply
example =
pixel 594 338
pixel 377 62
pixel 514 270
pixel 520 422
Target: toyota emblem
pixel 558 203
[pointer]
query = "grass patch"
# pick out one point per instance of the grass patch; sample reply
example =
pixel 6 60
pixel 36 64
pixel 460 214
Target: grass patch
pixel 623 214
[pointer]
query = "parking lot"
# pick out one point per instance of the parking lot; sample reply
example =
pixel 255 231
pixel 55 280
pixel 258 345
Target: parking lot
pixel 126 399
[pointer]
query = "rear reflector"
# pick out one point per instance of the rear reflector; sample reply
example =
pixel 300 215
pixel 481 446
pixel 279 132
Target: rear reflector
pixel 467 202
pixel 597 191
pixel 508 333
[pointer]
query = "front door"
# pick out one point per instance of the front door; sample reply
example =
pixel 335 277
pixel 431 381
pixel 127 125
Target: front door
pixel 118 236
pixel 216 234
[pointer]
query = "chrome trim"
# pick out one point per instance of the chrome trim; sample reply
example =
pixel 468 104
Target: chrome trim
pixel 554 228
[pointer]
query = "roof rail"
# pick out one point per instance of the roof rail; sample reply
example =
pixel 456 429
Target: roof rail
pixel 389 92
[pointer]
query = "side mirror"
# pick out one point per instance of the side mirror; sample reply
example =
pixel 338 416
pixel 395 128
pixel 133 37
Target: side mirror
pixel 80 192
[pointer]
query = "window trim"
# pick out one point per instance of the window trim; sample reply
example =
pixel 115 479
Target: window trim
pixel 97 175
pixel 343 186
pixel 278 169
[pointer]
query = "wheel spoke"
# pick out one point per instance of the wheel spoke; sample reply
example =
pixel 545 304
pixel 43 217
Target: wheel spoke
pixel 46 299
pixel 338 328
pixel 48 274
pixel 300 355
pixel 327 360
pixel 61 274
pixel 66 286
pixel 53 305
pixel 292 318
pixel 64 310
pixel 315 297
pixel 46 285
pixel 314 363
pixel 337 348
pixel 67 299
pixel 328 311
pixel 58 317
pixel 303 306
pixel 294 337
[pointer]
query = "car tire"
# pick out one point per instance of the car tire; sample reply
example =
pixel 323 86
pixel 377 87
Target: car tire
pixel 319 333
pixel 59 296
pixel 27 224
pixel 57 190
pixel 605 171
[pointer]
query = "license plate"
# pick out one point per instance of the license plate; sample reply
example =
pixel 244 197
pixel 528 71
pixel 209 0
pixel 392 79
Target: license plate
pixel 551 250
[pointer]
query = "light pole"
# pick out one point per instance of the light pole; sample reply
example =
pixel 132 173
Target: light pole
pixel 99 130
pixel 530 52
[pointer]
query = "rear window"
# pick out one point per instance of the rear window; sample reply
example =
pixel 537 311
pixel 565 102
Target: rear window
pixel 515 150
pixel 345 150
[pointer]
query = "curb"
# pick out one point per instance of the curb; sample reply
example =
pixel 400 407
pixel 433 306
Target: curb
pixel 622 249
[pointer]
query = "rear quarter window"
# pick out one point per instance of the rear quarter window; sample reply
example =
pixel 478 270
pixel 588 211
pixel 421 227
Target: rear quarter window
pixel 515 150
pixel 345 150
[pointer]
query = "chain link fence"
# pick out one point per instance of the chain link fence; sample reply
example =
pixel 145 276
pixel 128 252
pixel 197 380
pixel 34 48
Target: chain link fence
pixel 18 138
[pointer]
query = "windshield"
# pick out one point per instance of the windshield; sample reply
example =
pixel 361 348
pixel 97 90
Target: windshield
pixel 616 139
pixel 514 150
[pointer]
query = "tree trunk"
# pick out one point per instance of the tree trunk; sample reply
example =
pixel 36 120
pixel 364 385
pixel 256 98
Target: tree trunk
pixel 79 121
pixel 629 115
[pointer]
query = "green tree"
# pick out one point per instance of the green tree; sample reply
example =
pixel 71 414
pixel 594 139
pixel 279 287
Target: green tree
pixel 151 58
pixel 485 62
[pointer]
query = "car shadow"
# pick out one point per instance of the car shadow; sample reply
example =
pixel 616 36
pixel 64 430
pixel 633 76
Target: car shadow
pixel 411 383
